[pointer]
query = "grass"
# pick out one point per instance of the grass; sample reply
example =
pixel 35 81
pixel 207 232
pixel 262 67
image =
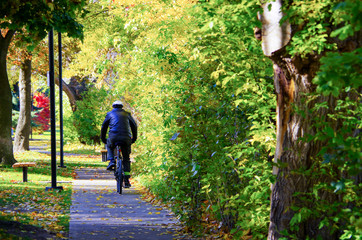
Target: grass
pixel 30 203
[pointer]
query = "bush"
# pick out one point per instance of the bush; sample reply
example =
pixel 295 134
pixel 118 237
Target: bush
pixel 91 111
pixel 42 117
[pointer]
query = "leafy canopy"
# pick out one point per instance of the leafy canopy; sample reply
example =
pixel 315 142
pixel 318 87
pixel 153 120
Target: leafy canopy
pixel 38 17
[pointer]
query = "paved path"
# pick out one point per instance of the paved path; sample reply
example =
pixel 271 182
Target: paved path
pixel 99 212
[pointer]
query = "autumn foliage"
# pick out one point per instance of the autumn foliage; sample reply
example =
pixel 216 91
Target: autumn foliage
pixel 42 117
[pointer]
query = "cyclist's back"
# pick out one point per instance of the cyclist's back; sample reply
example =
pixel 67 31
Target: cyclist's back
pixel 119 123
pixel 123 131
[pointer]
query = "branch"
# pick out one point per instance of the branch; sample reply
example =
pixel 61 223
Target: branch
pixel 70 93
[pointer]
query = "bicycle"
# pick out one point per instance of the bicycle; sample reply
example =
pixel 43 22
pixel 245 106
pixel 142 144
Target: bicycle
pixel 118 170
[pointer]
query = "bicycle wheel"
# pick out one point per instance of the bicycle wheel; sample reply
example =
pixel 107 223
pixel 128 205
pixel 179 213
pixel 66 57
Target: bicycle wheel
pixel 118 172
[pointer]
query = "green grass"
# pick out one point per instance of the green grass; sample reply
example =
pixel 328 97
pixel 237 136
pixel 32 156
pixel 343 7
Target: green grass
pixel 30 203
pixel 75 148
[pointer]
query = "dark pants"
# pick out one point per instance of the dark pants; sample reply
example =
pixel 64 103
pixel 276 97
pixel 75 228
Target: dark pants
pixel 125 144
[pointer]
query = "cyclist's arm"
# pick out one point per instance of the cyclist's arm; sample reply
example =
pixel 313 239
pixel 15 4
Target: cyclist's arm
pixel 104 129
pixel 133 126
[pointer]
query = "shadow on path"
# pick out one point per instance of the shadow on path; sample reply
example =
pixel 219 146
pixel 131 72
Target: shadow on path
pixel 99 212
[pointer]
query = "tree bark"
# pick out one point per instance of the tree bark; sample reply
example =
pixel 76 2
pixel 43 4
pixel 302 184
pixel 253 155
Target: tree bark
pixel 6 146
pixel 21 142
pixel 70 94
pixel 293 156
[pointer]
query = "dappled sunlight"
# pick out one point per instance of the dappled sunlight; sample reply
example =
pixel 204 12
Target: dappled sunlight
pixel 30 156
pixel 29 202
pixel 239 140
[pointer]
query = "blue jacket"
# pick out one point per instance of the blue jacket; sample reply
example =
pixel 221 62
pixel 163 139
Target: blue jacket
pixel 121 124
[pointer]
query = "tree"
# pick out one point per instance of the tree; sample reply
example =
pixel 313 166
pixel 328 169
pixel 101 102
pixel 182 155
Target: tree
pixel 298 36
pixel 19 56
pixel 6 147
pixel 206 128
pixel 23 128
pixel 40 65
pixel 204 92
pixel 75 89
pixel 37 17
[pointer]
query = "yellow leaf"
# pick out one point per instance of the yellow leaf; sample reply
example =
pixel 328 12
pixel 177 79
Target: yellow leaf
pixel 59 235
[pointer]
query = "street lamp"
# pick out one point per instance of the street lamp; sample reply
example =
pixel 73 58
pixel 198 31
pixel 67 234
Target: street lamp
pixel 52 114
pixel 60 100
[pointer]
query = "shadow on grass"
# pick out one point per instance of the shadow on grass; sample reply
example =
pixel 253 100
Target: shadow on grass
pixel 27 203
pixel 16 230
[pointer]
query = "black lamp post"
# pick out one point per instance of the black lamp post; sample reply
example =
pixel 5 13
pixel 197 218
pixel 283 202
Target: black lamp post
pixel 60 100
pixel 52 114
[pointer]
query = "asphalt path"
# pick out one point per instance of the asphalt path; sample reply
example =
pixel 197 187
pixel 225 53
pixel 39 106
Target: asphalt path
pixel 99 212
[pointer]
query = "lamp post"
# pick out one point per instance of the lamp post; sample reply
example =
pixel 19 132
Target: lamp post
pixel 52 114
pixel 60 100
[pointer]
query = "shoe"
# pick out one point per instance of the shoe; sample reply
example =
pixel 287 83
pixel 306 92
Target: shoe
pixel 111 166
pixel 127 184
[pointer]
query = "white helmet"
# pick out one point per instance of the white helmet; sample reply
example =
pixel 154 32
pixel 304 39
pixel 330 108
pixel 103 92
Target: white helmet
pixel 117 104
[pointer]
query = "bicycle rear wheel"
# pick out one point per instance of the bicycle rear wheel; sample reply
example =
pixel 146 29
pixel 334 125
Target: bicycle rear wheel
pixel 118 172
pixel 119 177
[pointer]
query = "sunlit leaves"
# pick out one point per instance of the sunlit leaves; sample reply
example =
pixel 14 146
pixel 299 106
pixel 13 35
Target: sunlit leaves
pixel 312 39
pixel 90 114
pixel 317 21
pixel 204 95
pixel 199 110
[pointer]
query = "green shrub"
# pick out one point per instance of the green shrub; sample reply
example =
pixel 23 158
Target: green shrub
pixel 85 123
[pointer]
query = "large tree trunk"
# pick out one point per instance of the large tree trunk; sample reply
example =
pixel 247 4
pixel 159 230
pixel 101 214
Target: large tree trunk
pixel 21 142
pixel 294 155
pixel 297 159
pixel 6 146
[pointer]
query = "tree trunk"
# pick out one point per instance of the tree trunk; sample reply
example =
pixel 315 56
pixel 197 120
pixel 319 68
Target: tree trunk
pixel 295 156
pixel 21 142
pixel 75 89
pixel 70 93
pixel 6 146
pixel 297 161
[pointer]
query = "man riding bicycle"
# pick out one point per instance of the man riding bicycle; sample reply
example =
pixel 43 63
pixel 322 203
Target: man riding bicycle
pixel 122 131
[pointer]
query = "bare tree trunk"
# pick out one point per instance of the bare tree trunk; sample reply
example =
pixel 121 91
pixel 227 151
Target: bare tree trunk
pixel 21 142
pixel 70 94
pixel 6 146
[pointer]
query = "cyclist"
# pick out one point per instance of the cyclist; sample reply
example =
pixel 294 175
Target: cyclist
pixel 122 130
